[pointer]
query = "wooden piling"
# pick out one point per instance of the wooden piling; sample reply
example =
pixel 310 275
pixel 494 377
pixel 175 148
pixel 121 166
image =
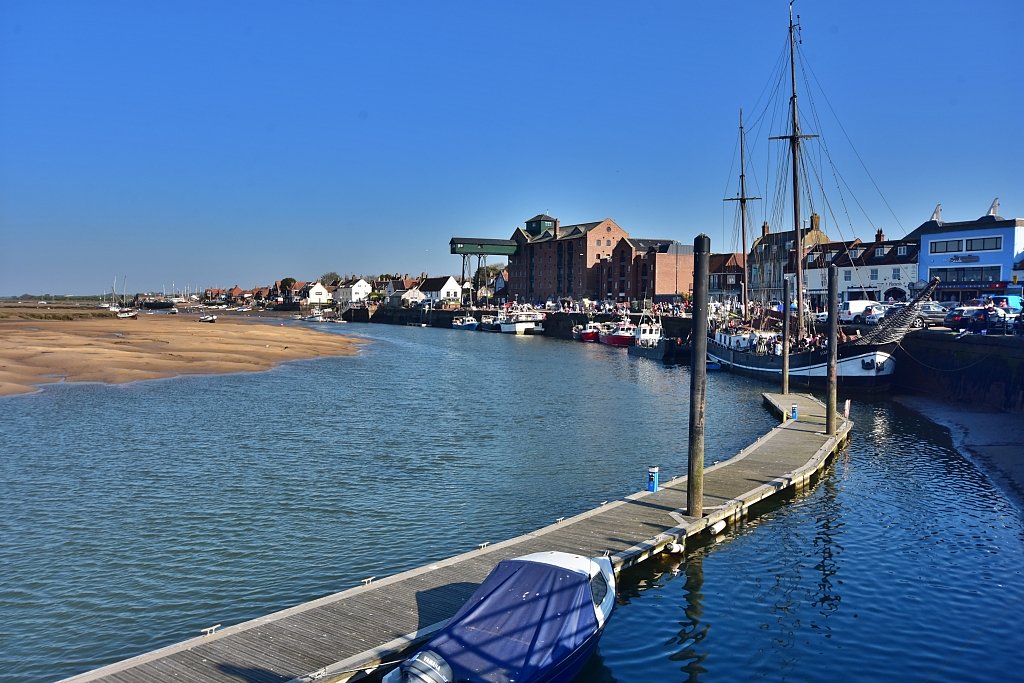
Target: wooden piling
pixel 698 376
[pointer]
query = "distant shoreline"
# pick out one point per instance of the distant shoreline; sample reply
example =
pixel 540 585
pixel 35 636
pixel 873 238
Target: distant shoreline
pixel 34 353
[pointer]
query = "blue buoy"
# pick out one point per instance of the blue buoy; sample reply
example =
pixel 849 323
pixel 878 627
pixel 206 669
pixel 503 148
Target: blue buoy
pixel 652 478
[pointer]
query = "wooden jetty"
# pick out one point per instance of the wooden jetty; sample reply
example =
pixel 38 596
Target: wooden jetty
pixel 341 636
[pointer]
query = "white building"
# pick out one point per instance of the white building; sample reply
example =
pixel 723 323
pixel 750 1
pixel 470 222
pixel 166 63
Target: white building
pixel 353 291
pixel 438 290
pixel 318 295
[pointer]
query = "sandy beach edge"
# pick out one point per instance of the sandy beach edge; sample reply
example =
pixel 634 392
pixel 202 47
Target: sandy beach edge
pixel 111 351
pixel 991 440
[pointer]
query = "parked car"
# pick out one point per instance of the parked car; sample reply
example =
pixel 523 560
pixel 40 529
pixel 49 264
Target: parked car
pixel 958 318
pixel 855 311
pixel 992 321
pixel 876 314
pixel 929 313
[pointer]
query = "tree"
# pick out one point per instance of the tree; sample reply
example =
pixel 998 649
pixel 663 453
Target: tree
pixel 287 283
pixel 329 277
pixel 484 275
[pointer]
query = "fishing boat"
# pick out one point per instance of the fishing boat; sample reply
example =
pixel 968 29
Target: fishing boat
pixel 208 318
pixel 586 333
pixel 866 362
pixel 534 619
pixel 523 322
pixel 127 313
pixel 648 338
pixel 465 322
pixel 622 334
pixel 489 323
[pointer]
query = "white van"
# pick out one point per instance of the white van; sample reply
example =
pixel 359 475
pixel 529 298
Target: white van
pixel 856 311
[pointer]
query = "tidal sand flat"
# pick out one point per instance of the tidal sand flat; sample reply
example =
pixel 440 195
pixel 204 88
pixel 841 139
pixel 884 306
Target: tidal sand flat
pixel 115 351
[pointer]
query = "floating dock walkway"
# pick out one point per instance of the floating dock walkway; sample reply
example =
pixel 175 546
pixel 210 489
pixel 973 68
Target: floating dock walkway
pixel 345 634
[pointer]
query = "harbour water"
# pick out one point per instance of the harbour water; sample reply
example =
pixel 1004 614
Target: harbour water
pixel 136 515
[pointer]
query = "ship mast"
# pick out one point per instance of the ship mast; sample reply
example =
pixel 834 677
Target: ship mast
pixel 742 199
pixel 794 150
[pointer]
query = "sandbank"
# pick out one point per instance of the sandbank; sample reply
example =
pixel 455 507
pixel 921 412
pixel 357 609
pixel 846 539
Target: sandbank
pixel 991 439
pixel 115 351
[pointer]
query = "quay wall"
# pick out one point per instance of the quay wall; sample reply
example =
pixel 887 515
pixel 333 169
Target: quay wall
pixel 977 370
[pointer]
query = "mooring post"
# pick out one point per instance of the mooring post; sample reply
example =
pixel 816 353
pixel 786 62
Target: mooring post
pixel 698 377
pixel 785 337
pixel 833 352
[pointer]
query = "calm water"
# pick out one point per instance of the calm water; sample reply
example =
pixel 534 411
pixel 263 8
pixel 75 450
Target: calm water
pixel 133 516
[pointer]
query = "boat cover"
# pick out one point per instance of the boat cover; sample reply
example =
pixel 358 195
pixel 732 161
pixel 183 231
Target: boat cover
pixel 523 620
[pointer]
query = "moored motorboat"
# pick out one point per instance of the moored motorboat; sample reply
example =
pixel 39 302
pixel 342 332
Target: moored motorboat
pixel 127 313
pixel 466 322
pixel 587 333
pixel 534 619
pixel 622 334
pixel 208 318
pixel 489 323
pixel 523 322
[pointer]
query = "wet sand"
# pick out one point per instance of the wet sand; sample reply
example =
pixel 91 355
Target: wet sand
pixel 991 439
pixel 153 346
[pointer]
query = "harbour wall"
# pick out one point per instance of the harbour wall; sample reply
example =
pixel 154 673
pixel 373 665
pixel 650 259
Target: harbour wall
pixel 977 370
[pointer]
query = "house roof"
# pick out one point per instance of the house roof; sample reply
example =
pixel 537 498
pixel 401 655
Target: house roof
pixel 659 246
pixel 934 227
pixel 725 263
pixel 434 284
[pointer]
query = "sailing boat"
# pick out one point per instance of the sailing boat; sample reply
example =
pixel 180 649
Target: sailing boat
pixel 866 362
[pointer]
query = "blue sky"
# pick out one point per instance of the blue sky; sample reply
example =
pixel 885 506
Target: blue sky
pixel 217 143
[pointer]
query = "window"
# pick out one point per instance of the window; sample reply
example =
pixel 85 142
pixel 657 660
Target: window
pixel 874 274
pixel 901 251
pixel 879 252
pixel 895 273
pixel 598 588
pixel 607 243
pixel 847 276
pixel 945 246
pixel 985 244
pixel 982 274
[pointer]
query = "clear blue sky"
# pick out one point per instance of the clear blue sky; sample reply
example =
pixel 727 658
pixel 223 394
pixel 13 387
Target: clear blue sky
pixel 215 142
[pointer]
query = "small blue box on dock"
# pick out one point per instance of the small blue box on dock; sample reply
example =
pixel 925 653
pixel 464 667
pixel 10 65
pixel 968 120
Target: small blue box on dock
pixel 652 478
pixel 792 411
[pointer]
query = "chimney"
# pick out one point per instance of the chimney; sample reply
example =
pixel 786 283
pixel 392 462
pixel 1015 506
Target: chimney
pixel 815 222
pixel 764 229
pixel 879 236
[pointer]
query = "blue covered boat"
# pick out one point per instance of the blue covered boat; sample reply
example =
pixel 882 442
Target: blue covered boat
pixel 534 619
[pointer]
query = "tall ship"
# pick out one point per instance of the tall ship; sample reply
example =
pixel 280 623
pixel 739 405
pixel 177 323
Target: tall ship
pixel 863 362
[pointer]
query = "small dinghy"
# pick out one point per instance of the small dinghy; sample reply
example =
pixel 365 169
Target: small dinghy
pixel 534 619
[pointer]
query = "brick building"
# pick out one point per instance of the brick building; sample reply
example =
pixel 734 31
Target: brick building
pixel 596 260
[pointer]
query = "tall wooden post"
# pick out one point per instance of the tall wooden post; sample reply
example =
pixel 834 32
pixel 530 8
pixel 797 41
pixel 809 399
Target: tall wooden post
pixel 785 336
pixel 833 351
pixel 698 377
